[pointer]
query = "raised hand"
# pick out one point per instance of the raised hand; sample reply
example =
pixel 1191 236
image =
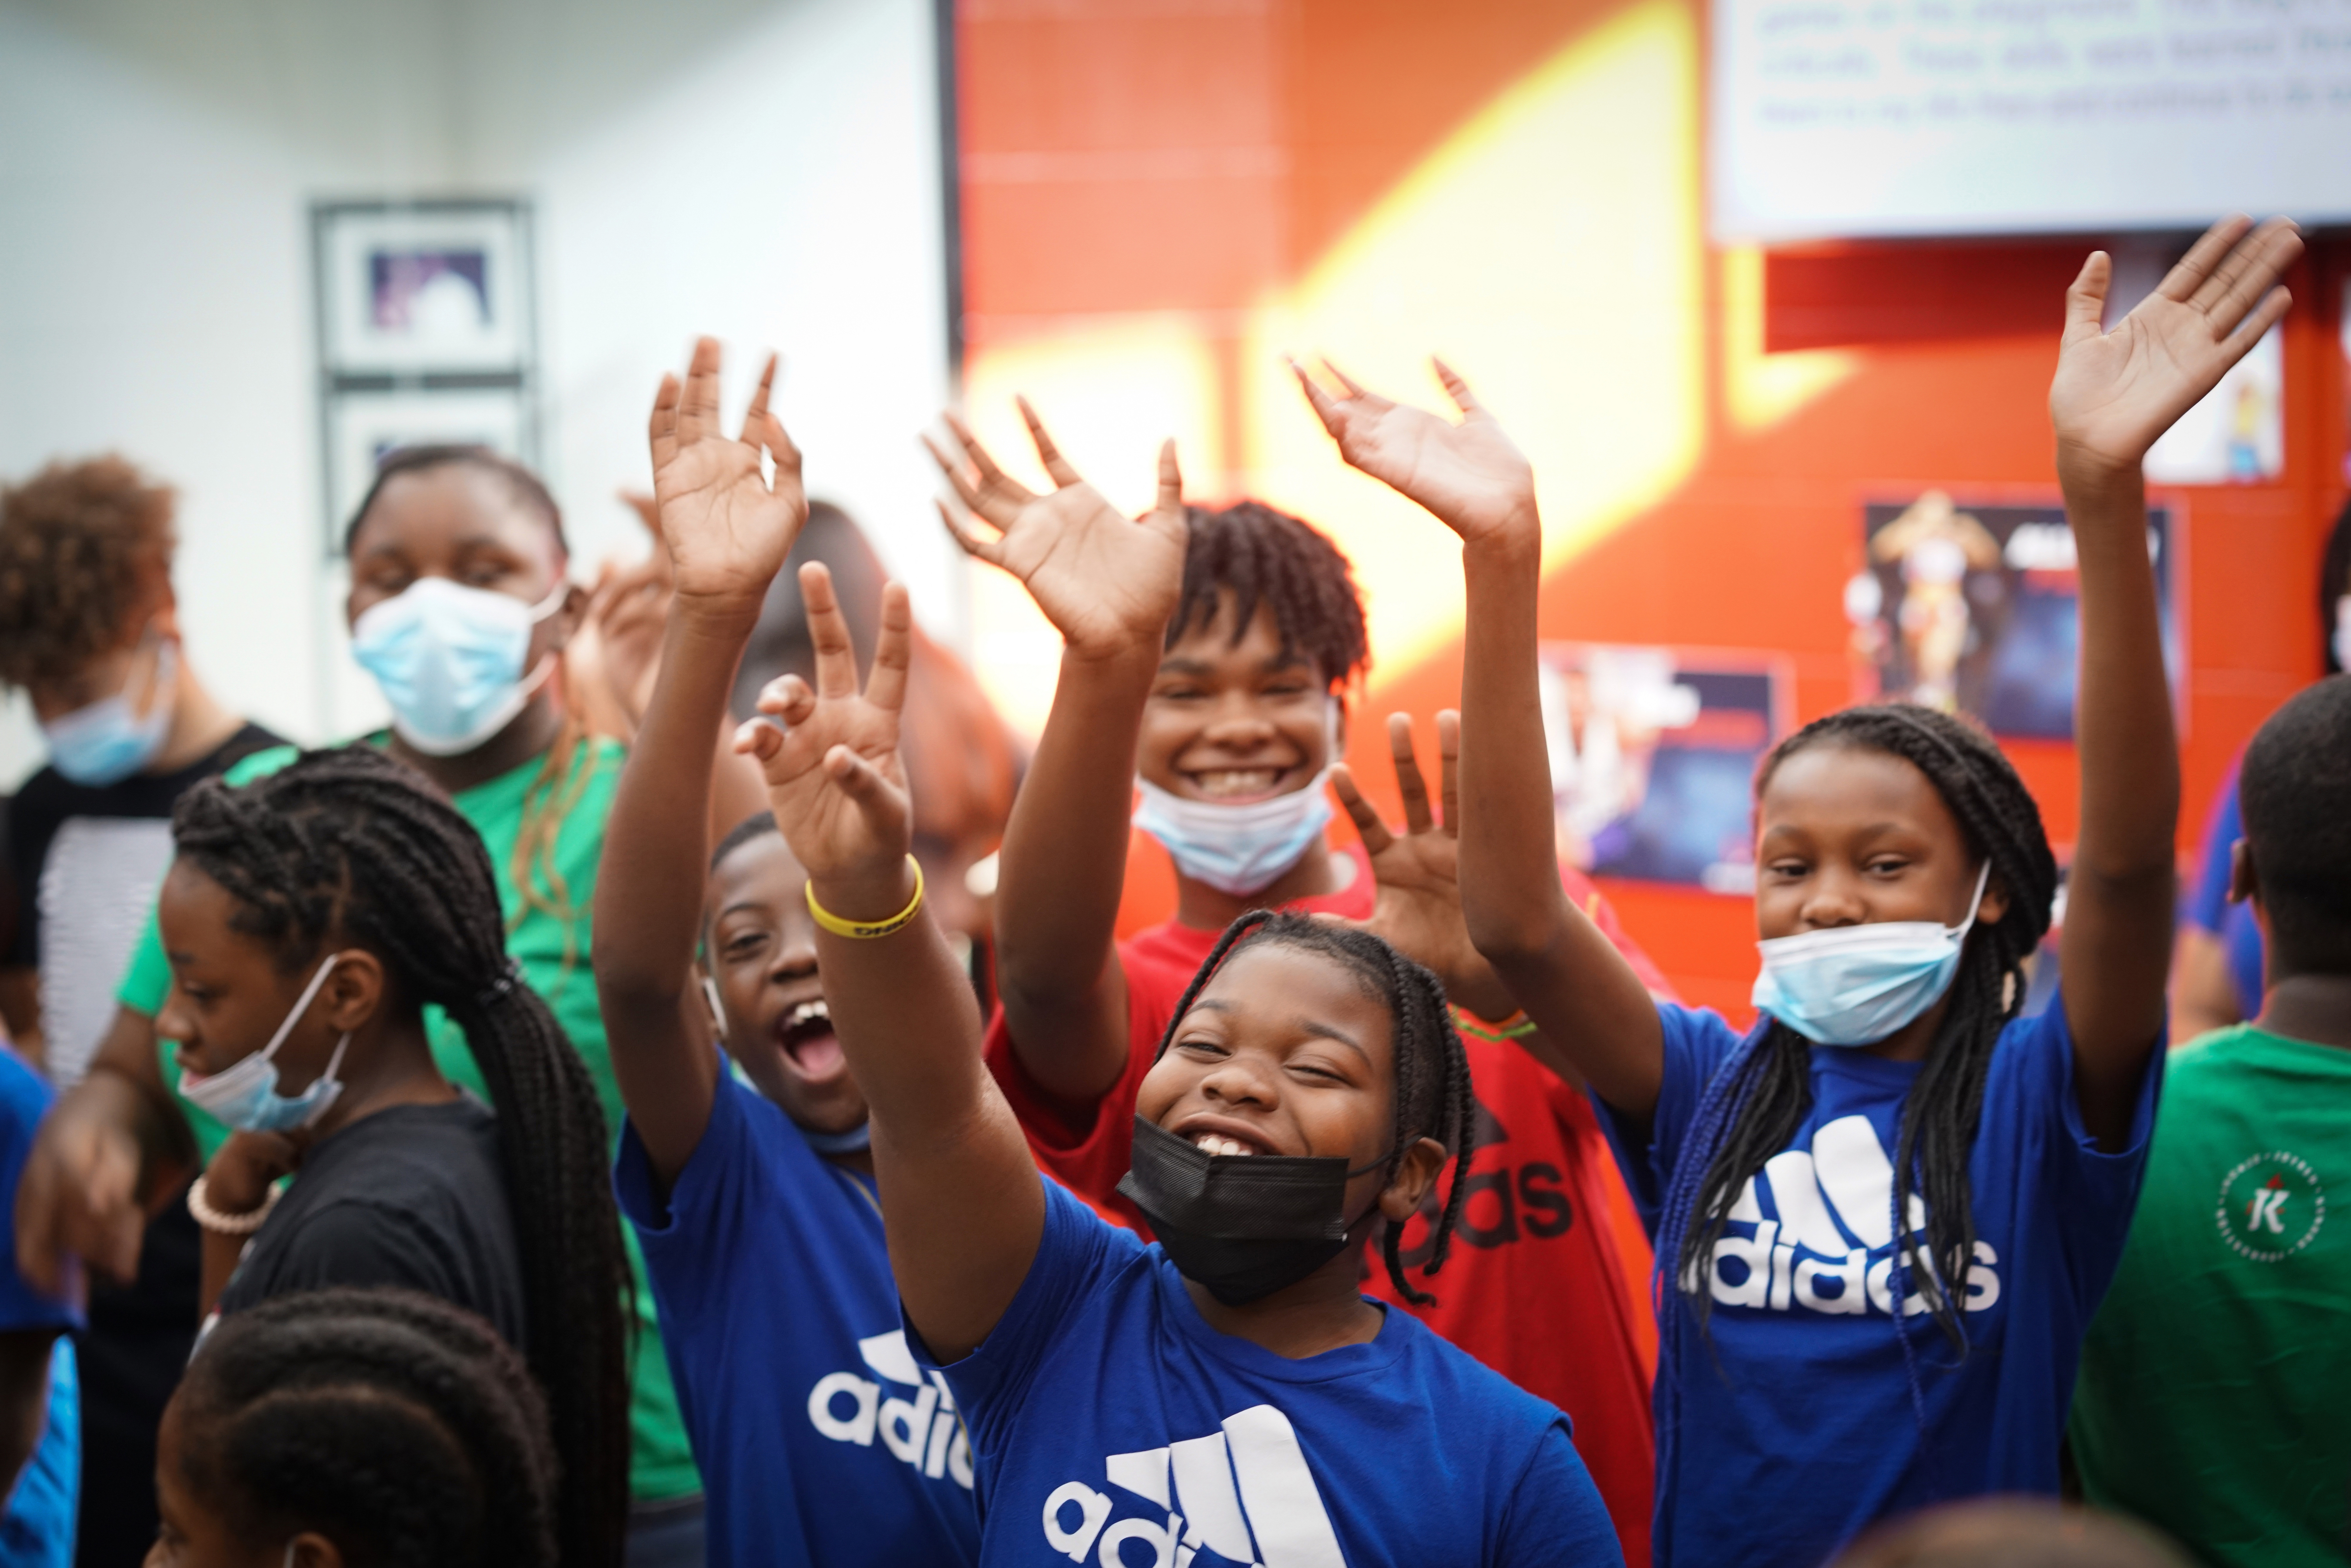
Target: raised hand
pixel 2115 393
pixel 831 758
pixel 1107 583
pixel 728 529
pixel 1470 476
pixel 1418 910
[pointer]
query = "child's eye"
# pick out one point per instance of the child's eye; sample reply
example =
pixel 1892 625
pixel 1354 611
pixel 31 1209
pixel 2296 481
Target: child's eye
pixel 1887 867
pixel 1209 1046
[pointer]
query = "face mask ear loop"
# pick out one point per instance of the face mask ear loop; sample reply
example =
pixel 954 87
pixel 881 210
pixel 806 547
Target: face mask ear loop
pixel 552 602
pixel 1983 880
pixel 302 1006
pixel 335 1062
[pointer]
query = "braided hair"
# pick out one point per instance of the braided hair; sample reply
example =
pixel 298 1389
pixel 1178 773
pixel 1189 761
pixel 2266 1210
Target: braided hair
pixel 1432 1097
pixel 1759 1097
pixel 1268 558
pixel 350 846
pixel 395 1425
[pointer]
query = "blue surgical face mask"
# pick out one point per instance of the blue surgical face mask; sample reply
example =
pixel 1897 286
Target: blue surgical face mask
pixel 449 660
pixel 1854 985
pixel 1239 849
pixel 105 743
pixel 244 1096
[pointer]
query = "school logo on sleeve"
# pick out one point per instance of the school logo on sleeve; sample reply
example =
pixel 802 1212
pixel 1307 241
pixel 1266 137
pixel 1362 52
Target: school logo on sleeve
pixel 2270 1206
pixel 1828 1245
pixel 921 1430
pixel 1241 1495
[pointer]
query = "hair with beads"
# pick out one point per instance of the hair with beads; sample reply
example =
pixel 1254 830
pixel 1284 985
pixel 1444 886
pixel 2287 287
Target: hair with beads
pixel 1432 1097
pixel 1266 557
pixel 1759 1097
pixel 349 847
pixel 398 1426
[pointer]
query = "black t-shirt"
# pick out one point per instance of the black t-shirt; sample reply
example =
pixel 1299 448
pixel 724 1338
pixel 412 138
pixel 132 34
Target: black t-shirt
pixel 413 1197
pixel 86 861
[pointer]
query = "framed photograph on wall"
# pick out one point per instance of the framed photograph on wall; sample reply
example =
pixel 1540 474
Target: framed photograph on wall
pixel 364 428
pixel 1653 755
pixel 428 285
pixel 1974 609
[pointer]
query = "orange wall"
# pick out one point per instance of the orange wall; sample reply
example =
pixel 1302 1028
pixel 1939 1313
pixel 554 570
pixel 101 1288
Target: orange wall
pixel 1195 157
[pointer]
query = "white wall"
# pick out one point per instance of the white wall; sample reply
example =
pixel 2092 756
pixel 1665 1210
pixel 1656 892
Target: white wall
pixel 765 171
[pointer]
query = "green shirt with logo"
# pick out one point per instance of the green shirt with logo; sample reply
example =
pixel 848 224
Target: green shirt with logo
pixel 552 953
pixel 2215 1393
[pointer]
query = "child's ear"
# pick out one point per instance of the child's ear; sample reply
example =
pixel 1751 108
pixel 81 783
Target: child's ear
pixel 1995 901
pixel 354 992
pixel 1416 1173
pixel 2244 882
pixel 564 624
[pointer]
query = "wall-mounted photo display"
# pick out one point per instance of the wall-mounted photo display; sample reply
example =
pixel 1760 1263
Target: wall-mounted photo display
pixel 427 334
pixel 365 428
pixel 1653 752
pixel 1974 609
pixel 438 286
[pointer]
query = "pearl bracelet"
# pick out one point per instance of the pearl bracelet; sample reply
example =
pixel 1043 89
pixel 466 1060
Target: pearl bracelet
pixel 213 1219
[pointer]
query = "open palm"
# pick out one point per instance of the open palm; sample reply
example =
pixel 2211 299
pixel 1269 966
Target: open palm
pixel 831 758
pixel 1470 476
pixel 728 529
pixel 1418 909
pixel 1108 583
pixel 2115 393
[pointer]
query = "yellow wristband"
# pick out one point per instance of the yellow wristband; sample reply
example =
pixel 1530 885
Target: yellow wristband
pixel 864 930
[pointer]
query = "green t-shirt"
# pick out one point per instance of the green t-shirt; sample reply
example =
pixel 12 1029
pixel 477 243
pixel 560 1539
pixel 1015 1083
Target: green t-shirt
pixel 2215 1393
pixel 553 956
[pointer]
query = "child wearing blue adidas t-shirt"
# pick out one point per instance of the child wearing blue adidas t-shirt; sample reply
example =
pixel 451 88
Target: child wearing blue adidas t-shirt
pixel 1886 1213
pixel 820 1440
pixel 1226 1395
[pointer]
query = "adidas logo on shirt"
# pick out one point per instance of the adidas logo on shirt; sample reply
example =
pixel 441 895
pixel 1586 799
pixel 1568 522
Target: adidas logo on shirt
pixel 1830 1248
pixel 1243 1492
pixel 923 1430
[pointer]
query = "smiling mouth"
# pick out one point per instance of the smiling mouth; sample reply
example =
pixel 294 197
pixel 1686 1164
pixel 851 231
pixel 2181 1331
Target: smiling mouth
pixel 806 1034
pixel 1235 783
pixel 1216 1143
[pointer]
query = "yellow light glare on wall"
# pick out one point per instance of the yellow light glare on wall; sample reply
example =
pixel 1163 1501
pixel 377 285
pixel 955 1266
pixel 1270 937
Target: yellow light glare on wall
pixel 1109 388
pixel 1549 252
pixel 1760 388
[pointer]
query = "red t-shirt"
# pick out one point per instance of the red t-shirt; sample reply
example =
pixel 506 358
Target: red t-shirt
pixel 1547 1278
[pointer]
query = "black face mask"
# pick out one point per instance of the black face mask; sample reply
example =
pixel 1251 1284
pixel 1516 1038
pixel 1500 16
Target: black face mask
pixel 1242 1225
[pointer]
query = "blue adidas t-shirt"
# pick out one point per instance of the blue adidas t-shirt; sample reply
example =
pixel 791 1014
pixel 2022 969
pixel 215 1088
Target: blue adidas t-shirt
pixel 1796 1428
pixel 36 1512
pixel 1115 1427
pixel 820 1440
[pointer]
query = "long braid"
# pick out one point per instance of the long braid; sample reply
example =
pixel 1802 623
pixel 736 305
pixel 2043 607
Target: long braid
pixel 402 1428
pixel 1433 1097
pixel 1759 1097
pixel 351 845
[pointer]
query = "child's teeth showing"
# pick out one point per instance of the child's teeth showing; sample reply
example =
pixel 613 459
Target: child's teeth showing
pixel 1212 1143
pixel 1237 781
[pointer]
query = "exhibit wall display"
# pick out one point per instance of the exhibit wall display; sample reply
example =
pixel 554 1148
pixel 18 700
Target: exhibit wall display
pixel 1858 117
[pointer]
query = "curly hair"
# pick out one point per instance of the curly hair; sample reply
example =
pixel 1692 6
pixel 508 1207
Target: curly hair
pixel 82 545
pixel 1262 557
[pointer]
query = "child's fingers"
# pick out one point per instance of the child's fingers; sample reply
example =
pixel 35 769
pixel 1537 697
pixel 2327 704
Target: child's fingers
pixel 758 739
pixel 1376 833
pixel 755 418
pixel 989 550
pixel 836 656
pixel 2251 272
pixel 990 476
pixel 1171 477
pixel 880 802
pixel 2085 301
pixel 788 699
pixel 2271 311
pixel 2188 275
pixel 893 650
pixel 965 490
pixel 781 445
pixel 1326 408
pixel 698 411
pixel 1448 767
pixel 1455 388
pixel 1409 784
pixel 1341 376
pixel 661 429
pixel 1056 465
